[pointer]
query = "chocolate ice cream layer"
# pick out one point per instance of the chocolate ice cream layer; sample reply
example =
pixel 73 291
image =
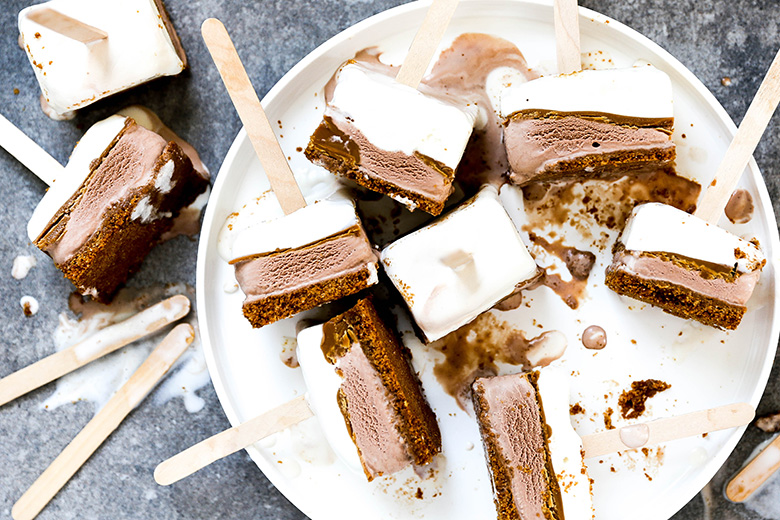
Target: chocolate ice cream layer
pixel 386 413
pixel 415 180
pixel 514 437
pixel 131 196
pixel 564 147
pixel 281 284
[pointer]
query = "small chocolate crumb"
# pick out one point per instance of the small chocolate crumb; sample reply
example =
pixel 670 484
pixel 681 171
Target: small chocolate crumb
pixel 16 92
pixel 419 494
pixel 725 81
pixel 27 309
pixel 576 409
pixel 632 402
pixel 608 419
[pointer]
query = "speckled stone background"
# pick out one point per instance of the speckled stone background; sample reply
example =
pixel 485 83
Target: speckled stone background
pixel 713 38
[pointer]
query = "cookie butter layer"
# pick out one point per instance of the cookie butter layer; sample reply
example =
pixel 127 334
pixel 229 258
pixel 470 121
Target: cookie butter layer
pixel 416 180
pixel 358 376
pixel 552 148
pixel 511 425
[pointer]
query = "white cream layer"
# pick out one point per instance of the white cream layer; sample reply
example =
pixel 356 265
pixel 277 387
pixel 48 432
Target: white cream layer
pixel 90 147
pixel 565 445
pixel 461 265
pixel 641 92
pixel 398 118
pixel 73 75
pixel 305 226
pixel 322 385
pixel 660 228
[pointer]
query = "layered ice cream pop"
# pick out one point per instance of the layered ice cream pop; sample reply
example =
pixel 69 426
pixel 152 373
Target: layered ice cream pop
pixel 534 456
pixel 459 266
pixel 365 394
pixel 121 190
pixel 391 138
pixel 588 123
pixel 139 44
pixel 296 262
pixel 685 266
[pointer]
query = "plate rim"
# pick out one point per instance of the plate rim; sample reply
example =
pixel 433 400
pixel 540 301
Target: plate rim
pixel 715 463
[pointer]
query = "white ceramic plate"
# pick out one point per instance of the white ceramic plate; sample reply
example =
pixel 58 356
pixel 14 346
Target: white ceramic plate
pixel 705 367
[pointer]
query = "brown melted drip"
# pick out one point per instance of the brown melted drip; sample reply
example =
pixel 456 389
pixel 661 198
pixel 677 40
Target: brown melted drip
pixel 473 350
pixel 606 202
pixel 579 263
pixel 462 71
pixel 739 209
pixel 632 402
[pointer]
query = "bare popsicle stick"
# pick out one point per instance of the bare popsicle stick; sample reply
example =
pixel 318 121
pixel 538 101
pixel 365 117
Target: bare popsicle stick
pixel 99 344
pixel 426 41
pixel 668 429
pixel 252 115
pixel 757 471
pixel 67 26
pixel 232 440
pixel 741 148
pixel 106 421
pixel 567 36
pixel 27 152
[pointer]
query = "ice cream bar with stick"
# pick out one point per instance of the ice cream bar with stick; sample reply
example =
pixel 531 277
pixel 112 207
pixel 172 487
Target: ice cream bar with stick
pixel 534 456
pixel 393 136
pixel 121 190
pixel 586 123
pixel 685 264
pixel 363 392
pixel 84 50
pixel 314 254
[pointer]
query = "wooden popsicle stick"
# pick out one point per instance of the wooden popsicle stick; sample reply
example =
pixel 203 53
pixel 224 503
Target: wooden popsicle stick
pixel 103 342
pixel 67 26
pixel 567 35
pixel 668 429
pixel 27 152
pixel 106 421
pixel 757 471
pixel 230 441
pixel 742 147
pixel 252 115
pixel 425 42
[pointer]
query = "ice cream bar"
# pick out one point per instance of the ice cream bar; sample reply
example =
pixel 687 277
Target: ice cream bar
pixel 460 265
pixel 534 456
pixel 365 395
pixel 290 264
pixel 588 123
pixel 685 266
pixel 392 138
pixel 120 191
pixel 141 45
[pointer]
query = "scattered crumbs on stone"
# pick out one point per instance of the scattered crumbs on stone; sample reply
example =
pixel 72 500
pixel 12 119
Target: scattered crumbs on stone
pixel 608 419
pixel 769 423
pixel 632 402
pixel 16 92
pixel 576 409
pixel 725 81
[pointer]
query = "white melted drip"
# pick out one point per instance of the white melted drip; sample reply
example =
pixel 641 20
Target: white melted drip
pixel 22 266
pixel 99 380
pixel 29 305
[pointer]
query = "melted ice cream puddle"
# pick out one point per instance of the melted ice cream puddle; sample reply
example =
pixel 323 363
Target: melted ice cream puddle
pixel 22 266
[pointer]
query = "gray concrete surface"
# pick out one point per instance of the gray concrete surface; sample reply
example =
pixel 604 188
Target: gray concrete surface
pixel 715 39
